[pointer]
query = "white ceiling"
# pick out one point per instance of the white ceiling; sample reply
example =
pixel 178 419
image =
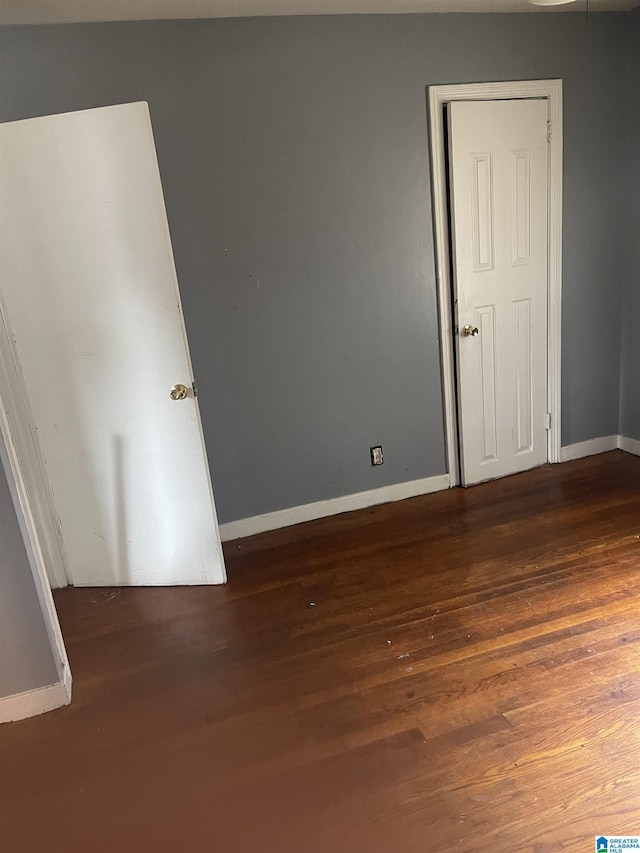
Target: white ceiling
pixel 68 11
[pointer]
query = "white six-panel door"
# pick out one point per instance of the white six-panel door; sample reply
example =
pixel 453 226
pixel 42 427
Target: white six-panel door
pixel 498 177
pixel 92 302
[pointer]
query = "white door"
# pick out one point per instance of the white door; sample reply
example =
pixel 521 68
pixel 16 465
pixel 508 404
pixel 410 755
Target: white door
pixel 498 177
pixel 91 298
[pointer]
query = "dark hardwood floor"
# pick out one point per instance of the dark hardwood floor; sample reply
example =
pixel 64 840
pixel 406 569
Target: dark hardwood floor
pixel 456 672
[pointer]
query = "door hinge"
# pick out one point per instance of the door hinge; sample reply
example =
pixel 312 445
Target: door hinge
pixel 549 131
pixel 547 421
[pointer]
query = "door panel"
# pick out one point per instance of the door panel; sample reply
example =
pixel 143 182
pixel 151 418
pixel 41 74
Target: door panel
pixel 498 179
pixel 91 297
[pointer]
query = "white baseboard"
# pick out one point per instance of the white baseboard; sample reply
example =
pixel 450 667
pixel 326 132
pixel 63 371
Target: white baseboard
pixel 334 506
pixel 629 445
pixel 321 509
pixel 599 445
pixel 34 702
pixel 588 448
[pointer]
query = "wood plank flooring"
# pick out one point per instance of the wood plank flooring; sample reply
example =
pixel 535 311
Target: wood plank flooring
pixel 456 672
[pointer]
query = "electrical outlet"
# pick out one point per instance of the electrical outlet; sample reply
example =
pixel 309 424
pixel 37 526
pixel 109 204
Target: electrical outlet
pixel 376 455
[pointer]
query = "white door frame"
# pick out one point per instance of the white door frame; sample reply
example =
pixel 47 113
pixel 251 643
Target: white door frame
pixel 19 420
pixel 551 90
pixel 46 698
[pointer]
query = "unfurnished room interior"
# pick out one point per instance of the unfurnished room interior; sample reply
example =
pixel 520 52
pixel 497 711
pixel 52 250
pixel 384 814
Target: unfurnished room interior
pixel 319 426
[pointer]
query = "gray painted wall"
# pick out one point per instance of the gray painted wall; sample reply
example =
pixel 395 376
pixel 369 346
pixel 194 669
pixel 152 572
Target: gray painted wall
pixel 26 659
pixel 630 372
pixel 294 158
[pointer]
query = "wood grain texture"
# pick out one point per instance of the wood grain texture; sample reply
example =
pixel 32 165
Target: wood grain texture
pixel 459 671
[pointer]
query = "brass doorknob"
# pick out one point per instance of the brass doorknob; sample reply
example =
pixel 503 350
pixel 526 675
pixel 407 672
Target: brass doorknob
pixel 178 392
pixel 470 331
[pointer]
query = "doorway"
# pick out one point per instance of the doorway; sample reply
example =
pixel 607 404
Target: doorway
pixel 479 461
pixel 92 324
